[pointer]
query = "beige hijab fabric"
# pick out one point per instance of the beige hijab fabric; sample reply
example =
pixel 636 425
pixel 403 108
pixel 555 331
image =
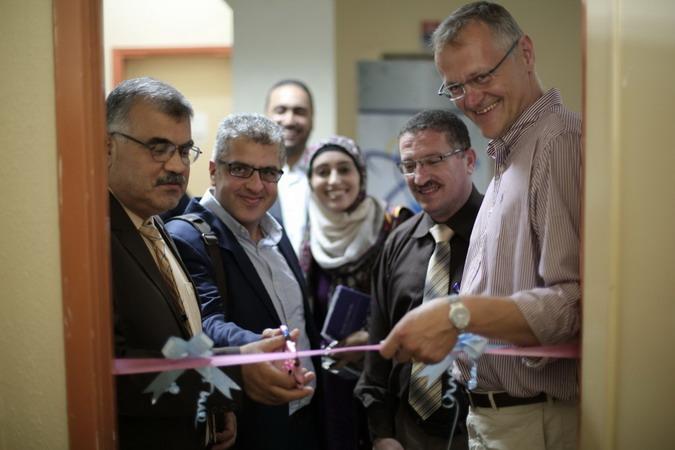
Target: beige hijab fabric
pixel 340 238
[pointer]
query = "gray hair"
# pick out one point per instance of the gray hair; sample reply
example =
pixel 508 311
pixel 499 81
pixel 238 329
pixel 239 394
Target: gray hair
pixel 504 27
pixel 441 121
pixel 162 96
pixel 254 127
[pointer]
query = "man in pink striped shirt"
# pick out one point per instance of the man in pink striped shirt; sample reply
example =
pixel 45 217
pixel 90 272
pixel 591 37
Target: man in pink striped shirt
pixel 521 279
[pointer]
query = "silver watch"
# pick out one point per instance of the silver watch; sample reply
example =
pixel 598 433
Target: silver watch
pixel 459 315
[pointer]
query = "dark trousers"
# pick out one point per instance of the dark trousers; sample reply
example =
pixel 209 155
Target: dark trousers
pixel 411 435
pixel 163 433
pixel 304 427
pixel 346 423
pixel 260 430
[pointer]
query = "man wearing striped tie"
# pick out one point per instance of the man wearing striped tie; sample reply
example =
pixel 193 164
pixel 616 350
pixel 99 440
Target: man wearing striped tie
pixel 521 280
pixel 421 260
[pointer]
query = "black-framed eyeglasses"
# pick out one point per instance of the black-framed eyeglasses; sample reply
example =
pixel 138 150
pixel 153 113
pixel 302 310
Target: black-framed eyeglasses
pixel 457 91
pixel 409 166
pixel 241 170
pixel 162 150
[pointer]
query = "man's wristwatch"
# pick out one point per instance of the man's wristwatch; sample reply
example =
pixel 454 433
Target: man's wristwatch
pixel 458 314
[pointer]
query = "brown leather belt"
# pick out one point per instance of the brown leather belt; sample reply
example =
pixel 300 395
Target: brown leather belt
pixel 501 400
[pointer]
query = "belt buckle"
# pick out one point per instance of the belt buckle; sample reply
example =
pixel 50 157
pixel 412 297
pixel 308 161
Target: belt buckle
pixel 470 395
pixel 489 395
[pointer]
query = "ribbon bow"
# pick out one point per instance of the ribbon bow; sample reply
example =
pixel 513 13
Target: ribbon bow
pixel 472 345
pixel 198 346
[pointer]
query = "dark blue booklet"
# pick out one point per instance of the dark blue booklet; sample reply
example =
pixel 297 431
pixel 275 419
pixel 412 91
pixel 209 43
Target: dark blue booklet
pixel 347 313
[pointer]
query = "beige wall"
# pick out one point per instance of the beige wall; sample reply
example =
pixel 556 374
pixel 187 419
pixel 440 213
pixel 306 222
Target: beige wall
pixel 366 30
pixel 206 81
pixel 32 377
pixel 282 39
pixel 629 299
pixel 164 23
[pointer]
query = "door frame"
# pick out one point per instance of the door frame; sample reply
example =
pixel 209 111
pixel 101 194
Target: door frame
pixel 120 56
pixel 83 219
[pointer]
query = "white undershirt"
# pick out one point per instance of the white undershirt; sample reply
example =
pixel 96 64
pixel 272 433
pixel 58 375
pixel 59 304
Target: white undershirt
pixel 293 190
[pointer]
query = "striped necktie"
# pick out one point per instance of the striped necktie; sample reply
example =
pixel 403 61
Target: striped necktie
pixel 151 233
pixel 425 400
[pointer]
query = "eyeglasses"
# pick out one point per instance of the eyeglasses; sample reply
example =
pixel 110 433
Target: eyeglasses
pixel 457 91
pixel 162 150
pixel 241 170
pixel 408 167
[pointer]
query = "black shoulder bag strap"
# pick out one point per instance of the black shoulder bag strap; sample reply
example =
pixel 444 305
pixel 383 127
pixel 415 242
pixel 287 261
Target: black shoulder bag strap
pixel 211 243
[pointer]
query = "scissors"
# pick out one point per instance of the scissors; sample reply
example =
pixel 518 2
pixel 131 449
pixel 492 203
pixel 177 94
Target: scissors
pixel 291 365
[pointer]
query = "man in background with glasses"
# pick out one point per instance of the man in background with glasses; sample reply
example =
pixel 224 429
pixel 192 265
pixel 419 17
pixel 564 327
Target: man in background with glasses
pixel 150 151
pixel 521 280
pixel 265 285
pixel 437 162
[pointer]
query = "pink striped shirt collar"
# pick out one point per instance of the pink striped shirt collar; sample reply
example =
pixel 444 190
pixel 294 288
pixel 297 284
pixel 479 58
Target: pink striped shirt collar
pixel 500 148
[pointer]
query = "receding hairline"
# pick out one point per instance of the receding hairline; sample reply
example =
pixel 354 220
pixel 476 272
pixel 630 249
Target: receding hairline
pixel 290 82
pixel 458 40
pixel 160 96
pixel 440 121
pixel 500 22
pixel 251 127
pixel 413 134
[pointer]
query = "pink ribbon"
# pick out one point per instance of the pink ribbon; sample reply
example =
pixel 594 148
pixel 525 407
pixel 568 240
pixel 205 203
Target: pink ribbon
pixel 128 366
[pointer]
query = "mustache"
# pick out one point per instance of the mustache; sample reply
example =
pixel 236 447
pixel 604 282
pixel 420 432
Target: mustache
pixel 429 183
pixel 171 178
